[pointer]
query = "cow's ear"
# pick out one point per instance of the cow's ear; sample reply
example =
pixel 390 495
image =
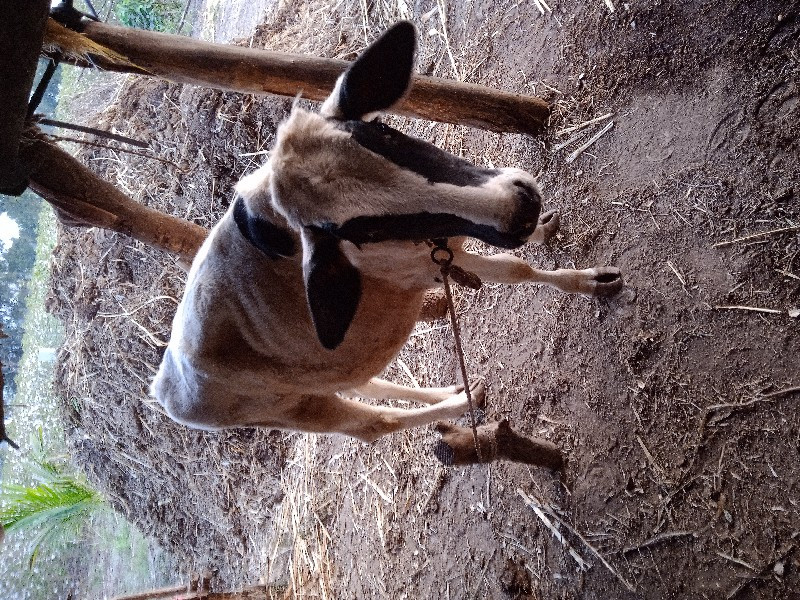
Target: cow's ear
pixel 333 286
pixel 378 78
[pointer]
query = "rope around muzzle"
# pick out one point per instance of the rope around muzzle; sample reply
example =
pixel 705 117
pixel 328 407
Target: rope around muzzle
pixel 465 278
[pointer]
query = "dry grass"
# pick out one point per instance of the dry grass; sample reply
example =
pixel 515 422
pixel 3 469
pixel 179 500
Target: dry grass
pixel 299 553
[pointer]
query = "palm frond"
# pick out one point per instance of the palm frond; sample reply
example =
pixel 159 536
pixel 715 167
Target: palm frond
pixel 58 503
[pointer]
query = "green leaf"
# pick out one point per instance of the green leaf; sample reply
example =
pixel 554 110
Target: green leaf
pixel 59 503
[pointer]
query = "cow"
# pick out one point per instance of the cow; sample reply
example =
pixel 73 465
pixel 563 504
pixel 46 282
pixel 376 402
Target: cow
pixel 314 278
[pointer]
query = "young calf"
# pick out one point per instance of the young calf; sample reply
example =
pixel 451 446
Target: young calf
pixel 313 280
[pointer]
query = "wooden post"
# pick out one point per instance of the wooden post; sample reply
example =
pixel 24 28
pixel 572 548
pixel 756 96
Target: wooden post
pixel 21 31
pixel 256 592
pixel 254 71
pixel 82 198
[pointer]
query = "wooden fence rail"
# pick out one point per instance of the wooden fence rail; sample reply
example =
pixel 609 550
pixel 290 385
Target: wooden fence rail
pixel 258 592
pixel 256 71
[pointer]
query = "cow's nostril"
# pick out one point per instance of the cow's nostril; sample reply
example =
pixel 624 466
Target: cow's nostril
pixel 524 185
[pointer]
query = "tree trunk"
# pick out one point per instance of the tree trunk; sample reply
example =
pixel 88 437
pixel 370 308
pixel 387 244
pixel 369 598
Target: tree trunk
pixel 3 435
pixel 22 27
pixel 82 198
pixel 255 71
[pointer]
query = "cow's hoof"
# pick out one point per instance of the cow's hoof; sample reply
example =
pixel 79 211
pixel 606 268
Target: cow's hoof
pixel 605 282
pixel 547 227
pixel 549 223
pixel 477 392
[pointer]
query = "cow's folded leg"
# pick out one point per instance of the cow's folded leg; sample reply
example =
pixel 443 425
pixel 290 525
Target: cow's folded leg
pixel 380 389
pixel 332 414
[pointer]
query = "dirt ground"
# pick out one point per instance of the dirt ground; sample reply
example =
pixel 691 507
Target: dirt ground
pixel 676 402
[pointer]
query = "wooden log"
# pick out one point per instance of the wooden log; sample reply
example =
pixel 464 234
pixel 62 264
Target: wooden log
pixel 21 31
pixel 497 442
pixel 254 71
pixel 81 198
pixel 258 592
pixel 156 594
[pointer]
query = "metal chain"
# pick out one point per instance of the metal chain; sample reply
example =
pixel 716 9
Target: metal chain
pixel 445 265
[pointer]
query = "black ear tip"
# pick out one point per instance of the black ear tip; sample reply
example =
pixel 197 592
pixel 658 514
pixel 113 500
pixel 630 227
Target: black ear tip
pixel 401 38
pixel 403 31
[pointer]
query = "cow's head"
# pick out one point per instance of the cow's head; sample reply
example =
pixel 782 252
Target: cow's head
pixel 338 176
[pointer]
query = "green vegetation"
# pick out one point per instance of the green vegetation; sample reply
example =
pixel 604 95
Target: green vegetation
pixel 33 422
pixel 93 557
pixel 15 264
pixel 156 15
pixel 32 407
pixel 58 504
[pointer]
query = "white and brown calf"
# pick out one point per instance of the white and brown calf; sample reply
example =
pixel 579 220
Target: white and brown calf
pixel 313 280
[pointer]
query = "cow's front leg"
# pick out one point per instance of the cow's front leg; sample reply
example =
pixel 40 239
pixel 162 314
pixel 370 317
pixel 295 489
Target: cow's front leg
pixel 505 268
